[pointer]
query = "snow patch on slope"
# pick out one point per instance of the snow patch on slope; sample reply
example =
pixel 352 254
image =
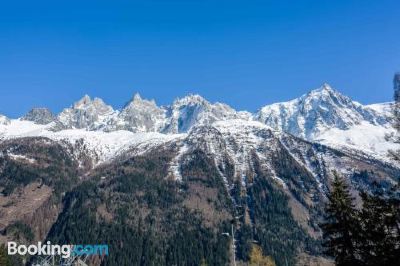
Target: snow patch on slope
pixel 368 138
pixel 243 139
pixel 104 145
pixel 174 168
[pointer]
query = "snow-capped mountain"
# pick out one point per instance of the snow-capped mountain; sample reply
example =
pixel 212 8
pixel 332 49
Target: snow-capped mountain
pixel 223 170
pixel 318 111
pixel 140 115
pixel 238 147
pixel 195 160
pixel 87 114
pixel 100 146
pixel 326 116
pixel 194 110
pixel 322 115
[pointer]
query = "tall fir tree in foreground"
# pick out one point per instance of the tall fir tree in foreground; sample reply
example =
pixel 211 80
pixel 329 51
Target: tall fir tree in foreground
pixel 369 236
pixel 341 225
pixel 379 220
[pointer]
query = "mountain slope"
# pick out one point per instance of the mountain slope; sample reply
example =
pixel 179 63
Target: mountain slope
pixel 326 116
pixel 98 145
pixel 154 194
pixel 273 182
pixel 161 185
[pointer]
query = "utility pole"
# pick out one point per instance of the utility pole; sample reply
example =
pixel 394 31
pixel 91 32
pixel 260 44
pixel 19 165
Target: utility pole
pixel 233 245
pixel 233 223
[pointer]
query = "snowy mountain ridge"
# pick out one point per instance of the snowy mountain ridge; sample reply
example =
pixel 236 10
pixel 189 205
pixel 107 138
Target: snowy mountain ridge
pixel 322 115
pixel 319 110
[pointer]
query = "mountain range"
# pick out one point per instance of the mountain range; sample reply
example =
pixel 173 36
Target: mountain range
pixel 162 184
pixel 323 115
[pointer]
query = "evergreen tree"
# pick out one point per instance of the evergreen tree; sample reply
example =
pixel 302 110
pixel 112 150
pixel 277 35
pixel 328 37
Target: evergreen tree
pixel 380 242
pixel 340 227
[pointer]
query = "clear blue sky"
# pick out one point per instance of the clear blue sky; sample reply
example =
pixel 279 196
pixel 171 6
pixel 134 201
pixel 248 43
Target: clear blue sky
pixel 244 53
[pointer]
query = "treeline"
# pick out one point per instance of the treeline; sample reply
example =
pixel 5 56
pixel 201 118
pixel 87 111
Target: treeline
pixel 369 235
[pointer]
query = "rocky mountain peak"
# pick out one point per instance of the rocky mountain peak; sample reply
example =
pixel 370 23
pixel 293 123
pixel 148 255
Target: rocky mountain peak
pixel 194 110
pixel 84 101
pixel 41 116
pixel 95 105
pixel 326 87
pixel 138 102
pixel 317 111
pixel 324 92
pixel 191 99
pixel 137 97
pixel 86 113
pixel 141 115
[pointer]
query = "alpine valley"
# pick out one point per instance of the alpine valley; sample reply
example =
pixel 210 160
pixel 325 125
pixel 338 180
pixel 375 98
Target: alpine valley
pixel 161 184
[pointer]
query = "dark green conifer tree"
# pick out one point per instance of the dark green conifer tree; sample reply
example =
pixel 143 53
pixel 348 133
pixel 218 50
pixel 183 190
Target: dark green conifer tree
pixel 379 242
pixel 341 225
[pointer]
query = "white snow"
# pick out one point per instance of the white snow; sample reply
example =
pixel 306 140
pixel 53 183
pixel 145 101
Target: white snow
pixel 383 108
pixel 174 168
pixel 242 139
pixel 328 117
pixel 104 145
pixel 19 157
pixel 322 115
pixel 366 137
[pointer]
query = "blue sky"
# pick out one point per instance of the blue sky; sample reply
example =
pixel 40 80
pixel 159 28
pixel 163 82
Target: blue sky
pixel 244 53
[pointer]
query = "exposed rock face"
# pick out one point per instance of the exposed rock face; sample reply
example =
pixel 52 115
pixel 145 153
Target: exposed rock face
pixel 87 113
pixel 194 110
pixel 41 116
pixel 140 115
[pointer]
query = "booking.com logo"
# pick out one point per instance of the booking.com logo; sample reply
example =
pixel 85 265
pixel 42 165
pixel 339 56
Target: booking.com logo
pixel 65 251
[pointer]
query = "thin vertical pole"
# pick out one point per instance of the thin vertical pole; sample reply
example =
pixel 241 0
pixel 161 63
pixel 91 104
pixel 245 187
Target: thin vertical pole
pixel 233 246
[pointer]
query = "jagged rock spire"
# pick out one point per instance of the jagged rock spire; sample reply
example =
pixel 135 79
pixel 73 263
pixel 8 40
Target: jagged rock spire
pixel 40 116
